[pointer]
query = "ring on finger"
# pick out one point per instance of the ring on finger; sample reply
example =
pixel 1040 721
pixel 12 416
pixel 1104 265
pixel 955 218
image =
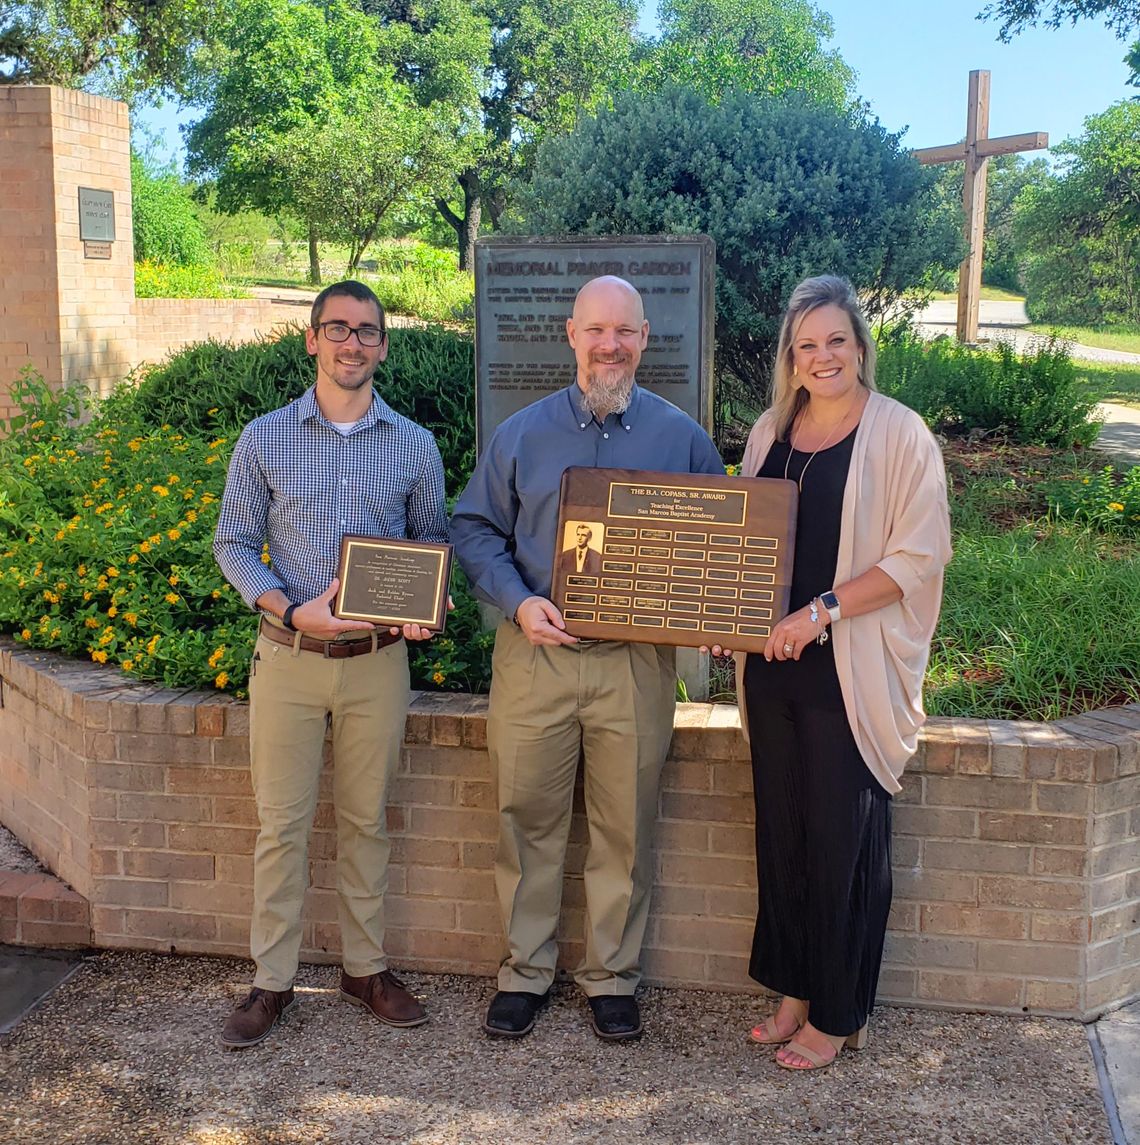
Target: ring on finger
pixel 789 648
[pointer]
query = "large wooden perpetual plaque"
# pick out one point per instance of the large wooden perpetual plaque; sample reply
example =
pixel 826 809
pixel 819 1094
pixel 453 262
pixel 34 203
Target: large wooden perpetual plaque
pixel 672 558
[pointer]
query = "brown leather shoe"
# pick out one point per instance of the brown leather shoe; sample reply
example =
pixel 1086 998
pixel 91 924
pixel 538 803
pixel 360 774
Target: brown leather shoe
pixel 252 1019
pixel 386 996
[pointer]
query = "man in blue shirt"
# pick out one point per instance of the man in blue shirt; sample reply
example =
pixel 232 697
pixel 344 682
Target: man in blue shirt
pixel 554 697
pixel 337 460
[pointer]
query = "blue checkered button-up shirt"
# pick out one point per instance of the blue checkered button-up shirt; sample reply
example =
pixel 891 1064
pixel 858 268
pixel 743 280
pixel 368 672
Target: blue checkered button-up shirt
pixel 298 483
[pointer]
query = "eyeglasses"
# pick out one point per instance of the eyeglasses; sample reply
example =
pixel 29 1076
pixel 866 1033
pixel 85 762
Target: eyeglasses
pixel 342 331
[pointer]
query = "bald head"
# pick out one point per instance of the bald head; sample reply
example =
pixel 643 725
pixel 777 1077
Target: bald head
pixel 609 292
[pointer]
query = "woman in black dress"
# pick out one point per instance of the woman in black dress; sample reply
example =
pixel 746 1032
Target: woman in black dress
pixel 834 703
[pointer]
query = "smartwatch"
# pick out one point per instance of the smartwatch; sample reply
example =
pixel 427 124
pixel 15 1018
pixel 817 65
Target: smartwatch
pixel 287 618
pixel 831 602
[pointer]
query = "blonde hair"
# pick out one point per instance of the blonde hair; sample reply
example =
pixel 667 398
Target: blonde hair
pixel 824 290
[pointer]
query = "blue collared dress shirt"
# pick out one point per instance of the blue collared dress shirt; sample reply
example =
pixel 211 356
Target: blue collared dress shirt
pixel 505 522
pixel 299 483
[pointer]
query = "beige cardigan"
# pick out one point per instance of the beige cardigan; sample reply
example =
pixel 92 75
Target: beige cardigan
pixel 895 515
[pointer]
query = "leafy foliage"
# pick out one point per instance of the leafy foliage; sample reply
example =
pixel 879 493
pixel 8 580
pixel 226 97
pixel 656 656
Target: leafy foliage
pixel 167 228
pixel 156 280
pixel 1108 500
pixel 306 111
pixel 785 187
pixel 1032 398
pixel 1080 231
pixel 767 47
pixel 1122 16
pixel 106 527
pixel 123 47
pixel 217 387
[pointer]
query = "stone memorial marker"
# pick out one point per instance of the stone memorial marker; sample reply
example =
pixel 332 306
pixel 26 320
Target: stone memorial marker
pixel 524 292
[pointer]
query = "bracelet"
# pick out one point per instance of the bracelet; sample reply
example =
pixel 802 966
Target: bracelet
pixel 821 637
pixel 287 618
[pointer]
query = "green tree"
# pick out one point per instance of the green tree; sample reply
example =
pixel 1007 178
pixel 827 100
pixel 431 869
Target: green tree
pixel 768 47
pixel 166 225
pixel 548 61
pixel 1121 16
pixel 786 188
pixel 357 165
pixel 1079 232
pixel 125 48
pixel 285 79
pixel 1006 177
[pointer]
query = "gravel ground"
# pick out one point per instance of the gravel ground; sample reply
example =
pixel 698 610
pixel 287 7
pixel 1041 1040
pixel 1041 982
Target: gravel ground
pixel 14 856
pixel 126 1051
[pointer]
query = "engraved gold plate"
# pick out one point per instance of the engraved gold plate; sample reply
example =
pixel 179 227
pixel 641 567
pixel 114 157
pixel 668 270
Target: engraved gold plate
pixel 723 549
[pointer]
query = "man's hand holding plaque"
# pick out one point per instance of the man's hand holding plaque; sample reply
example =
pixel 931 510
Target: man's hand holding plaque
pixel 397 584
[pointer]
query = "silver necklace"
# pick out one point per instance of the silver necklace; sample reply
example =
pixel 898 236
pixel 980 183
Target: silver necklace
pixel 826 442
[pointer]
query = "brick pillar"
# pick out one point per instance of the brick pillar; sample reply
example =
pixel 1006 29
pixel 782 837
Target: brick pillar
pixel 70 316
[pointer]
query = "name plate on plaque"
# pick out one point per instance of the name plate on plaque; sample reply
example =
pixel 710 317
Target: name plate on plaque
pixel 393 582
pixel 674 558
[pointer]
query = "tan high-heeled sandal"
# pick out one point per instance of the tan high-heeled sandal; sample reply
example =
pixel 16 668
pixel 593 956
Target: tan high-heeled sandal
pixel 767 1033
pixel 855 1041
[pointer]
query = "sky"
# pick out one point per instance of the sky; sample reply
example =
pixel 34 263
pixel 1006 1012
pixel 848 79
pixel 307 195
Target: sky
pixel 913 62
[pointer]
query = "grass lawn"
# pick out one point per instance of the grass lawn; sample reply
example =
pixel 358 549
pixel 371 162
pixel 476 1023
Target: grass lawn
pixel 1126 338
pixel 989 294
pixel 1111 382
pixel 1040 617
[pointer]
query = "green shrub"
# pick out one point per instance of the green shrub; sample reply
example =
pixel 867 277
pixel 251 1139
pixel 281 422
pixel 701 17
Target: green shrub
pixel 158 280
pixel 165 221
pixel 106 534
pixel 785 187
pixel 1032 398
pixel 1107 500
pixel 429 376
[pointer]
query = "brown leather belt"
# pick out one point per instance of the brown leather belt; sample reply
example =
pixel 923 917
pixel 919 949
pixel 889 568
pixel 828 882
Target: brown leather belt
pixel 330 649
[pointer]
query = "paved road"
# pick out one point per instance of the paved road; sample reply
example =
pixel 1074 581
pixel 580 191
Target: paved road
pixel 1003 320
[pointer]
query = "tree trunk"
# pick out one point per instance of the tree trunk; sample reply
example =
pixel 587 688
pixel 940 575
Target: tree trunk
pixel 466 228
pixel 314 257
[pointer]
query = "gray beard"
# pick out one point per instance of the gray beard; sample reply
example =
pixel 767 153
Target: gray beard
pixel 603 397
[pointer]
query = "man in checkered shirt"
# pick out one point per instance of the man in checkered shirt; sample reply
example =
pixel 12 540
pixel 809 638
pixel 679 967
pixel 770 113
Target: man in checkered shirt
pixel 337 460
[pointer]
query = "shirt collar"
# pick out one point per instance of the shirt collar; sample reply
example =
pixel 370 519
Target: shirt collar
pixel 583 420
pixel 379 411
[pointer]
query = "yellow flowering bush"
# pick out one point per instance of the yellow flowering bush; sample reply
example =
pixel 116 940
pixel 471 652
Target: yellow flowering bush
pixel 106 533
pixel 97 524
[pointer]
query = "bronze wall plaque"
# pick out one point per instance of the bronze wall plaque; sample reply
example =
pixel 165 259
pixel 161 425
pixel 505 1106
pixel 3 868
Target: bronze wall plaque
pixel 393 582
pixel 96 214
pixel 674 558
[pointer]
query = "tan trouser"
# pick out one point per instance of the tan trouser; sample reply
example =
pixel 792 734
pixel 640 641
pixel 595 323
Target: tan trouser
pixel 613 703
pixel 293 696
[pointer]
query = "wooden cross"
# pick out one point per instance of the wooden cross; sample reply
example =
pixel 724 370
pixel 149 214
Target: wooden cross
pixel 976 150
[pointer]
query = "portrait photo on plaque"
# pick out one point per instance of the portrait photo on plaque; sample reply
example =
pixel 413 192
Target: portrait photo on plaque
pixel 393 582
pixel 582 548
pixel 685 559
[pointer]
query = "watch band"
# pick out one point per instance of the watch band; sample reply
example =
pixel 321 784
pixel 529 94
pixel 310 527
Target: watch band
pixel 831 602
pixel 287 618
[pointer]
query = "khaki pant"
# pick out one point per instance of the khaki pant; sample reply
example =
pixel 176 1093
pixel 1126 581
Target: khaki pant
pixel 612 703
pixel 294 696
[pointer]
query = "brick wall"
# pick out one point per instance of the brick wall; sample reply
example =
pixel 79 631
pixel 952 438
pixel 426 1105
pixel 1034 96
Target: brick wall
pixel 164 325
pixel 29 320
pixel 1017 845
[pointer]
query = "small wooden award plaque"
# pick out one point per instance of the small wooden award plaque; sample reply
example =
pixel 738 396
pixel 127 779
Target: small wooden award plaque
pixel 393 582
pixel 674 558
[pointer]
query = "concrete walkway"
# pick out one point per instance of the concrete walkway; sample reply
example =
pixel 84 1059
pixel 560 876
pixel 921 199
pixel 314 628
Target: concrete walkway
pixel 1120 434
